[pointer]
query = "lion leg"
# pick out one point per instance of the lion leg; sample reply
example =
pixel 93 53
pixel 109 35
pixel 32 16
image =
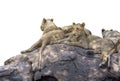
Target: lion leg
pixel 33 47
pixel 104 60
pixel 39 61
pixel 41 58
pixel 109 57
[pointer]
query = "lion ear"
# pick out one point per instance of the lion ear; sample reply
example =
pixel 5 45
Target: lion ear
pixel 73 23
pixel 103 30
pixel 44 20
pixel 51 20
pixel 83 24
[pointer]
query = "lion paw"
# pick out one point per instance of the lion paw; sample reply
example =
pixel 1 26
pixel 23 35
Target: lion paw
pixel 103 65
pixel 25 51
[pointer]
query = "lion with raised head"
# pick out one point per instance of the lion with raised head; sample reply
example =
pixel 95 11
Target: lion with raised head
pixel 114 37
pixel 68 29
pixel 105 46
pixel 77 37
pixel 51 33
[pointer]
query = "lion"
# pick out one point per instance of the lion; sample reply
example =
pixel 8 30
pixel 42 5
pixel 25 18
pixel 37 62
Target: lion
pixel 48 27
pixel 77 37
pixel 113 37
pixel 103 46
pixel 51 33
pixel 68 29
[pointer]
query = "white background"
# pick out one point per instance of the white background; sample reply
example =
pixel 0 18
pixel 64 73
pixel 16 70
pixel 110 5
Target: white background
pixel 20 20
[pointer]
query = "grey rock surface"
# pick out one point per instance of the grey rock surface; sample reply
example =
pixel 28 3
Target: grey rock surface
pixel 61 63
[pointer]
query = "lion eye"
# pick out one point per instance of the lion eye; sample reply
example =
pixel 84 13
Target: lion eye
pixel 75 34
pixel 77 28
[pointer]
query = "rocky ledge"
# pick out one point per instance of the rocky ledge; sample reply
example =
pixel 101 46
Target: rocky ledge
pixel 62 63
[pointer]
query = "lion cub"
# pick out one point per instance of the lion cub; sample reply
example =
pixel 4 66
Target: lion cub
pixel 68 29
pixel 77 37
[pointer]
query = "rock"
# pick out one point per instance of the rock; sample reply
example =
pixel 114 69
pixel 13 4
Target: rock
pixel 16 72
pixel 61 63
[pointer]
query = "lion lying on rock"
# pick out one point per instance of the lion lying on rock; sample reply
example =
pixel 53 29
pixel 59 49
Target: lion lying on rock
pixel 114 37
pixel 51 33
pixel 75 35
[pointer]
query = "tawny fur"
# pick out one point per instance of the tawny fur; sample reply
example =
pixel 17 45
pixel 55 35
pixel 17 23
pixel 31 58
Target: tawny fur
pixel 113 37
pixel 77 37
pixel 51 33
